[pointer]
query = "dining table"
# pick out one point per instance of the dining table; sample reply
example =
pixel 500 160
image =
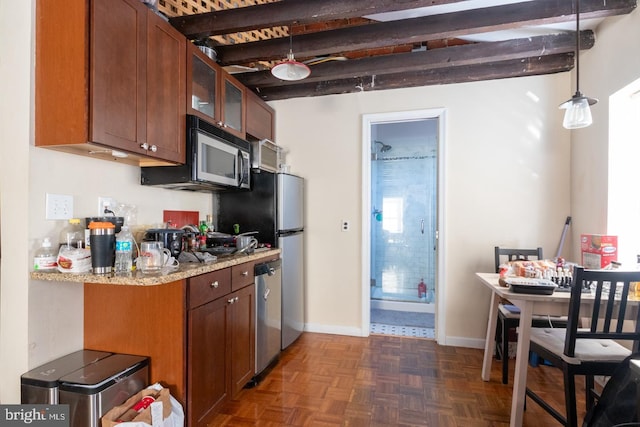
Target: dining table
pixel 556 304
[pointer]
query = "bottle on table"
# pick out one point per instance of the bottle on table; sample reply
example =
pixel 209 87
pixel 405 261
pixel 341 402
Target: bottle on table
pixel 73 234
pixel 124 252
pixel 45 257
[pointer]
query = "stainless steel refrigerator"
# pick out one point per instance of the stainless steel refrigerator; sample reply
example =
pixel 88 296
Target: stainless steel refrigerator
pixel 274 208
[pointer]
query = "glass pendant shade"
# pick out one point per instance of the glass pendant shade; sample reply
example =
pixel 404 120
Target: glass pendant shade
pixel 577 112
pixel 290 69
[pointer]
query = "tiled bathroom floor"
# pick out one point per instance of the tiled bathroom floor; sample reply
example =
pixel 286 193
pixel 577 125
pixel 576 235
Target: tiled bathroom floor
pixel 403 331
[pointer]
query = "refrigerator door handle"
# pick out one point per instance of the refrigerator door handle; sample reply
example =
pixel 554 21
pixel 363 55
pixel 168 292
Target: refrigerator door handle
pixel 266 293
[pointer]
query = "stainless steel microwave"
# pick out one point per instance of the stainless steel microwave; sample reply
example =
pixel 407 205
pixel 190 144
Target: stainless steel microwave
pixel 215 160
pixel 265 155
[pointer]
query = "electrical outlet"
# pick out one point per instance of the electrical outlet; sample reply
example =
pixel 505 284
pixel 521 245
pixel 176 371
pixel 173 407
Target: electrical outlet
pixel 106 203
pixel 345 225
pixel 58 206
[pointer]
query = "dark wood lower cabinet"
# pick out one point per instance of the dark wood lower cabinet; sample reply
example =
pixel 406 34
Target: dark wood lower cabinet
pixel 199 334
pixel 208 358
pixel 242 338
pixel 221 351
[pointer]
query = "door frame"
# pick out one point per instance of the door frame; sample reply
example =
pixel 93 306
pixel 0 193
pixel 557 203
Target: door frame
pixel 368 120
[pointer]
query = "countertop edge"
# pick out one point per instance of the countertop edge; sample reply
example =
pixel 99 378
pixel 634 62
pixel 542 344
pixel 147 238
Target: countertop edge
pixel 185 271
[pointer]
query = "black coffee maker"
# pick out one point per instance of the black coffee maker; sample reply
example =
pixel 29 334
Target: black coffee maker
pixel 170 237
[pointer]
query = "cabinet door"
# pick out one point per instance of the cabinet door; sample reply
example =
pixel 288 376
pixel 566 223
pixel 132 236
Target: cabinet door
pixel 203 88
pixel 242 335
pixel 233 110
pixel 260 118
pixel 118 72
pixel 208 360
pixel 166 92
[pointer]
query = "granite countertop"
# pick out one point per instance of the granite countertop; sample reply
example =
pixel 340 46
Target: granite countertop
pixel 185 271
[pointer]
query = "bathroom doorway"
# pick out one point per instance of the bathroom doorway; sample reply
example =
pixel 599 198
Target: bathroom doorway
pixel 403 172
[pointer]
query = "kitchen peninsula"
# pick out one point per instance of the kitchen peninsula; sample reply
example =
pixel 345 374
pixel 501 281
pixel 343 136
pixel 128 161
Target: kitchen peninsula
pixel 196 324
pixel 185 271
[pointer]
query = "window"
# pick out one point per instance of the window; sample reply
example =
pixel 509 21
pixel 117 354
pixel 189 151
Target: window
pixel 392 218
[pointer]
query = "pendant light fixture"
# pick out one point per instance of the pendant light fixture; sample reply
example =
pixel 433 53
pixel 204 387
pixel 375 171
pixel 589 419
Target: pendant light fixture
pixel 290 69
pixel 577 110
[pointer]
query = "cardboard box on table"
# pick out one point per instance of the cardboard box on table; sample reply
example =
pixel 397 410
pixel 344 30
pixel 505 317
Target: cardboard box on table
pixel 598 250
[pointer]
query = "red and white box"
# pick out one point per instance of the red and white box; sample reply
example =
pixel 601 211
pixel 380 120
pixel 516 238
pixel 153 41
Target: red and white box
pixel 598 250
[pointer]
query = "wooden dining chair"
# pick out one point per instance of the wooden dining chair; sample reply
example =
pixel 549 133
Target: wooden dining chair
pixel 507 319
pixel 595 348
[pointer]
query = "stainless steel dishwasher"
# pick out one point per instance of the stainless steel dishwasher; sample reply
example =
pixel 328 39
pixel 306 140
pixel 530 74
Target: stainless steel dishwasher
pixel 268 277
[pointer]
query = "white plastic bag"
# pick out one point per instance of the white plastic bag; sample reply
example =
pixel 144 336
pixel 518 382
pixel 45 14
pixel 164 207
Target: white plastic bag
pixel 173 419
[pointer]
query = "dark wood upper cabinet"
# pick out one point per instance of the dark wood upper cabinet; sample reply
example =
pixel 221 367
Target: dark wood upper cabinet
pixel 213 94
pixel 111 78
pixel 260 118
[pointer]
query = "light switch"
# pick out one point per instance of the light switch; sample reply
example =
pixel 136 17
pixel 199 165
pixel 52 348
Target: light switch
pixel 59 206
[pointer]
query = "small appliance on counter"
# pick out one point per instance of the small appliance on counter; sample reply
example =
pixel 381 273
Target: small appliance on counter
pixel 171 238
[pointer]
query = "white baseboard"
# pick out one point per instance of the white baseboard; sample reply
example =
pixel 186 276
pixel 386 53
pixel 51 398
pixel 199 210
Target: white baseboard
pixel 416 307
pixel 463 342
pixel 335 330
pixel 358 332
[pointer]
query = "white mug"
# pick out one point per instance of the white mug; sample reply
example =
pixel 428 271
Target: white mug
pixel 168 260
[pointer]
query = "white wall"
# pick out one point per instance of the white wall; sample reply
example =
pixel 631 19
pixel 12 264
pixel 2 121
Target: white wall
pixel 15 72
pixel 506 183
pixel 40 321
pixel 613 63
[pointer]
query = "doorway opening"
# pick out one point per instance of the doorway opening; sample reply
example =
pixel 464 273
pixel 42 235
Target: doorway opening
pixel 401 221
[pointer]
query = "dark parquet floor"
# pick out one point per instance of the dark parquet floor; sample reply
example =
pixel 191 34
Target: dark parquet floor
pixel 331 380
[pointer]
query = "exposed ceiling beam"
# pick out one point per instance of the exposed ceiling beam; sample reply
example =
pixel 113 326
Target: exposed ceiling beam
pixel 456 56
pixel 418 30
pixel 288 12
pixel 498 70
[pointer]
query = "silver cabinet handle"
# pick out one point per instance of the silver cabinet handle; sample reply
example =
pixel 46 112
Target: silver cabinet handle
pixel 144 146
pixel 154 148
pixel 214 284
pixel 422 226
pixel 245 273
pixel 230 301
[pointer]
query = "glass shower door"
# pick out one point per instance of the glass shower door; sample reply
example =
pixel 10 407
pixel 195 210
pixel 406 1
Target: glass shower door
pixel 403 226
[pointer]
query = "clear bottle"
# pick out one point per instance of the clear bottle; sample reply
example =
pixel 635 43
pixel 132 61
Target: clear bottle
pixel 73 234
pixel 45 257
pixel 124 252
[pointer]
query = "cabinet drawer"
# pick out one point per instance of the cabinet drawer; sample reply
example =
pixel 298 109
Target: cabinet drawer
pixel 210 286
pixel 241 275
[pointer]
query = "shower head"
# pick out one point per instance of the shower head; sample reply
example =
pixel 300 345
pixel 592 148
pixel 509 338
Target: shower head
pixel 384 147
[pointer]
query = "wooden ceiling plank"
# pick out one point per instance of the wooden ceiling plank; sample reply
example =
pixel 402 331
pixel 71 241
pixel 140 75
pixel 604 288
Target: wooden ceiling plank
pixel 456 56
pixel 418 30
pixel 287 12
pixel 498 70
